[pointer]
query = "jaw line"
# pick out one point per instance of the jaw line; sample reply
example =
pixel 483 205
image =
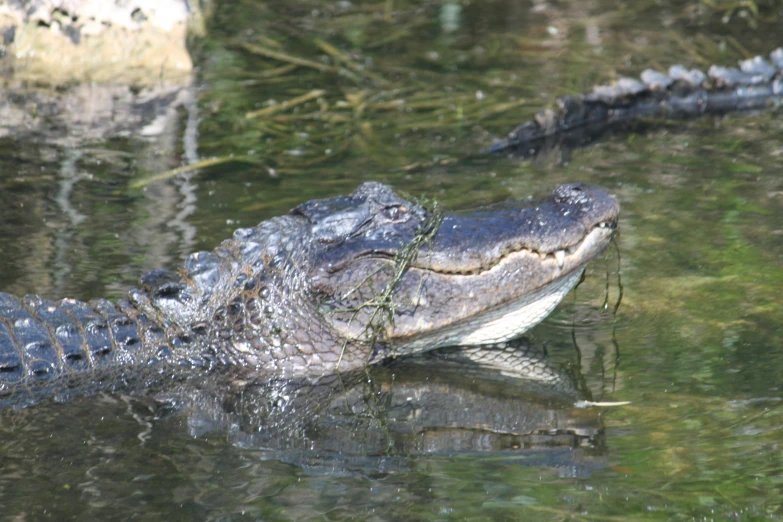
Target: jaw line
pixel 567 253
pixel 489 266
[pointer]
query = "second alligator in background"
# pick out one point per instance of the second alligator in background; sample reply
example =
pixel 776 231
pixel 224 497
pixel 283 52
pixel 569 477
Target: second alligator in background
pixel 678 94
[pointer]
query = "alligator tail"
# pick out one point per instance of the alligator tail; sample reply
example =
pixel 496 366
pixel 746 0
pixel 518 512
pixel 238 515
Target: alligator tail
pixel 678 94
pixel 42 341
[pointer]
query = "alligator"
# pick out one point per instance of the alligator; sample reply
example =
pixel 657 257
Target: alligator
pixel 679 93
pixel 333 286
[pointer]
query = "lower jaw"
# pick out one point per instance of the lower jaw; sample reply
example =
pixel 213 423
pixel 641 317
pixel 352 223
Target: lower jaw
pixel 500 324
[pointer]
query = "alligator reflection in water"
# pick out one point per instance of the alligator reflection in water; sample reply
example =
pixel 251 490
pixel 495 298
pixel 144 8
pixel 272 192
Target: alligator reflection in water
pixel 509 401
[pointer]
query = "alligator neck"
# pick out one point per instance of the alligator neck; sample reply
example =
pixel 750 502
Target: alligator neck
pixel 248 302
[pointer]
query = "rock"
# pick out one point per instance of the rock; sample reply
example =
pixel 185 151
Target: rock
pixel 130 42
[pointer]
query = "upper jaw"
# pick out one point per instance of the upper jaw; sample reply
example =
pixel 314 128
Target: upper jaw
pixel 552 227
pixel 473 242
pixel 571 254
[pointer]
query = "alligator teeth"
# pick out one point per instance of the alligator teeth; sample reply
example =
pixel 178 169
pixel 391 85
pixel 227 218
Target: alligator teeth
pixel 560 258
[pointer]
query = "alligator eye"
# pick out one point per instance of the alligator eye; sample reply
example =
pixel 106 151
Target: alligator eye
pixel 395 214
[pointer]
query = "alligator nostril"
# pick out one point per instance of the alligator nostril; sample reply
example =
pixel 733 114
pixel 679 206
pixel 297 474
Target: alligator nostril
pixel 572 194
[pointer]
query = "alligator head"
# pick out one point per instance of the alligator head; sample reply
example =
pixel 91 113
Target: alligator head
pixel 344 281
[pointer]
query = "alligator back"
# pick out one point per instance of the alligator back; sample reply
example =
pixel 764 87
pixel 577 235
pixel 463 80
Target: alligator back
pixel 43 341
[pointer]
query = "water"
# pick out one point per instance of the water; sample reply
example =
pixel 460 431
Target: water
pixel 694 346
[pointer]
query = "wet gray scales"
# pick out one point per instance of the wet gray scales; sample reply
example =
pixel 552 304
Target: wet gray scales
pixel 678 93
pixel 40 338
pixel 289 297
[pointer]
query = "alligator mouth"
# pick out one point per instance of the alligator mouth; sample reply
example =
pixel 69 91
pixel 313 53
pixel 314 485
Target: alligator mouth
pixel 511 310
pixel 557 257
